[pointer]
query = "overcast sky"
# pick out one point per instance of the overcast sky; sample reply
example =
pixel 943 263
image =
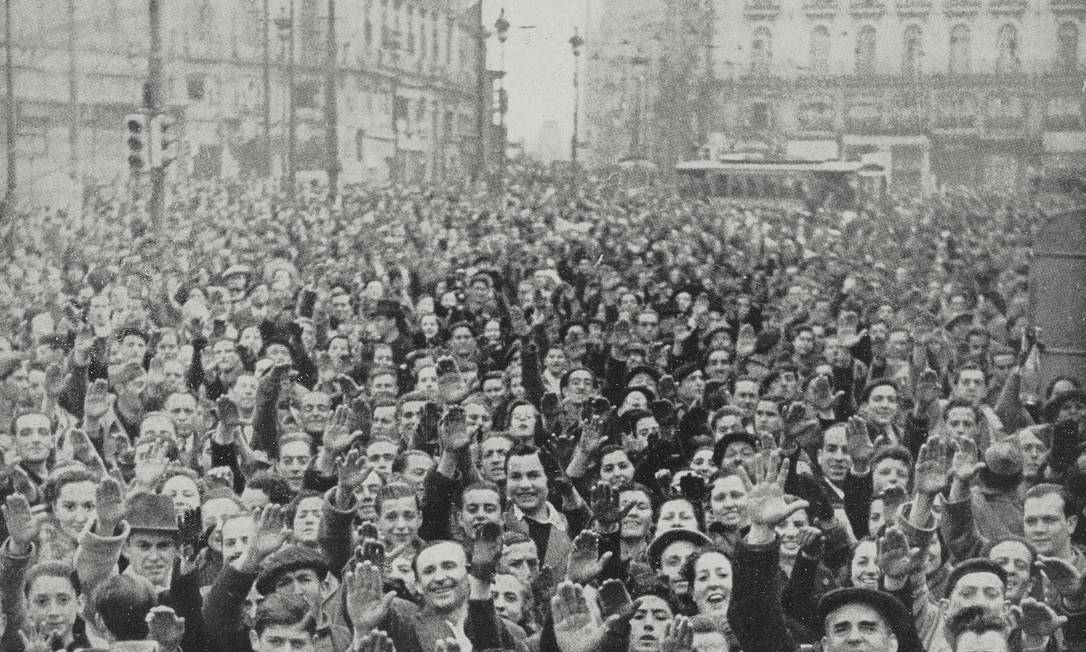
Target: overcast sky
pixel 538 61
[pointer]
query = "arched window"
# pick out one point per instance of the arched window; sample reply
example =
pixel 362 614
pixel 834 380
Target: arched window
pixel 914 50
pixel 1007 39
pixel 1067 47
pixel 761 51
pixel 820 50
pixel 865 50
pixel 959 49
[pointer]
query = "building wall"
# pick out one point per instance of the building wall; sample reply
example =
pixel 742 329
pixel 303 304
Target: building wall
pixel 423 51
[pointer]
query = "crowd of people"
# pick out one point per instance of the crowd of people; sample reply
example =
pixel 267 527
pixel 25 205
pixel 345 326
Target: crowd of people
pixel 567 415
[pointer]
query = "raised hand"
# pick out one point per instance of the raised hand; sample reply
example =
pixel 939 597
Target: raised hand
pixel 365 600
pixel 96 401
pixel 669 389
pixel 613 597
pixel 486 551
pixel 591 438
pixel 453 430
pixel 811 542
pixel 447 645
pixel 518 321
pixel 1063 575
pixel 745 341
pixel 606 508
pixel 110 505
pixel 165 627
pixel 896 559
pixel 1037 619
pixel 272 531
pixel 858 441
pixel 799 430
pixel 926 390
pixel 190 528
pixel 23 526
pixel 221 475
pixel 352 471
pixel 377 641
pixel 576 628
pixel 585 561
pixel 679 636
pixel 932 468
pixel 337 433
pixel 847 323
pixel 550 405
pixel 767 506
pixel 964 464
pixel 820 394
pixel 227 410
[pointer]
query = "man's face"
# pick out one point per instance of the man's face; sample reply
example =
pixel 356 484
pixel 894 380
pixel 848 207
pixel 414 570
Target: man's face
pixel 384 421
pixel 33 438
pixel 1034 452
pixel 477 417
pixel 961 423
pixel 882 403
pixel 971 385
pixel 151 555
pixel 649 624
pixel 857 627
pixel 293 460
pixel 133 348
pixel 381 455
pixel 277 353
pixel 692 387
pixel 833 457
pixel 443 576
pixel 494 390
pixel 182 409
pixel 508 594
pixel 672 561
pixel 767 418
pixel 415 468
pixel 526 483
pixel 746 396
pixel 522 422
pixel 718 365
pixel 307 519
pixel 479 506
pixel 315 409
pixel 173 374
pixel 366 496
pixel 889 472
pixel 521 560
pixel 1072 409
pixel 648 326
pixel 897 345
pixel 409 419
pixel 1017 561
pixel 638 440
pixel 981 589
pixel 244 392
pixel 51 603
pixel 304 582
pixel 399 520
pixel 462 342
pixel 492 454
pixel 235 536
pixel 341 307
pixel 212 513
pixel 1002 365
pixel 1045 524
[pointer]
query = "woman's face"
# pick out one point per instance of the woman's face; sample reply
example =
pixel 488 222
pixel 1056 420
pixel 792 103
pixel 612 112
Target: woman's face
pixel 788 532
pixel 864 570
pixel 616 469
pixel 167 347
pixel 426 381
pixel 493 332
pixel 677 514
pixel 75 505
pixel 702 463
pixel 636 523
pixel 712 588
pixel 728 501
pixel 556 361
pixel 429 326
pixel 184 493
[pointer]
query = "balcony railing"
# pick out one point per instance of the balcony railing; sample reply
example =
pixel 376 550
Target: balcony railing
pixel 961 7
pixel 1062 123
pixel 868 8
pixel 1075 7
pixel 955 122
pixel 762 8
pixel 820 8
pixel 913 7
pixel 1007 6
pixel 1005 122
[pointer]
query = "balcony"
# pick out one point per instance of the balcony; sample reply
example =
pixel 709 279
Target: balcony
pixel 1005 123
pixel 913 7
pixel 1072 8
pixel 955 122
pixel 958 8
pixel 1003 7
pixel 761 9
pixel 1062 123
pixel 820 8
pixel 867 8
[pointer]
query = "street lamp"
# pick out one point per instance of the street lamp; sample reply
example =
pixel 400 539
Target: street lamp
pixel 285 24
pixel 575 42
pixel 501 26
pixel 640 64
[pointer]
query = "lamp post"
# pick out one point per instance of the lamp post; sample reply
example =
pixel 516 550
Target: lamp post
pixel 640 65
pixel 575 42
pixel 501 26
pixel 285 24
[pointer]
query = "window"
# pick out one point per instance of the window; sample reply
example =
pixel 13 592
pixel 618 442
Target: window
pixel 196 87
pixel 761 51
pixel 912 63
pixel 820 50
pixel 865 50
pixel 1067 48
pixel 1007 40
pixel 759 115
pixel 959 50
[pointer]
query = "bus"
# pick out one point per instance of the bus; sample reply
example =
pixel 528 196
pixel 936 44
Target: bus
pixel 799 185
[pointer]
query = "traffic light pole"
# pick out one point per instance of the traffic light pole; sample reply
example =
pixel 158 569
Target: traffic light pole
pixel 153 99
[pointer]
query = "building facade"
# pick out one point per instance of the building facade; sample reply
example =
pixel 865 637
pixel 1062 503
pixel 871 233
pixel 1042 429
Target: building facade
pixel 969 92
pixel 407 73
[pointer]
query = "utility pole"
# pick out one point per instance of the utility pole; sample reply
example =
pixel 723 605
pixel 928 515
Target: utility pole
pixel 331 110
pixel 482 92
pixel 265 51
pixel 73 95
pixel 9 108
pixel 291 130
pixel 153 99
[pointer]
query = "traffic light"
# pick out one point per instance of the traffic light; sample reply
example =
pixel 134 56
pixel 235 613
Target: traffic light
pixel 136 126
pixel 164 140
